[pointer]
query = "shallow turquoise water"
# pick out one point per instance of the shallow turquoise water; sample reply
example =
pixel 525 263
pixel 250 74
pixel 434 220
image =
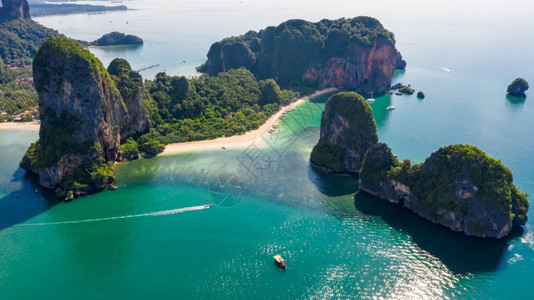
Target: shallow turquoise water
pixel 267 199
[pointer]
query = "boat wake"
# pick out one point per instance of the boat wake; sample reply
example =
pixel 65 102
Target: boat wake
pixel 152 214
pixel 444 69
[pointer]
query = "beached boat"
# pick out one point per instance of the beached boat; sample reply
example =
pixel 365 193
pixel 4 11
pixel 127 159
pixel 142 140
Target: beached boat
pixel 280 261
pixel 391 107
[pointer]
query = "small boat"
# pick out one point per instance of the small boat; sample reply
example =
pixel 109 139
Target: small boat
pixel 389 92
pixel 398 93
pixel 224 148
pixel 280 261
pixel 208 205
pixel 371 99
pixel 391 107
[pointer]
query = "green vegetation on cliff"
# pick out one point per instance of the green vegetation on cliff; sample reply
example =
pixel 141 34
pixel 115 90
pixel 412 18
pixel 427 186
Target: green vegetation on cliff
pixel 20 40
pixel 118 38
pixel 84 117
pixel 230 103
pixel 287 51
pixel 458 186
pixel 348 129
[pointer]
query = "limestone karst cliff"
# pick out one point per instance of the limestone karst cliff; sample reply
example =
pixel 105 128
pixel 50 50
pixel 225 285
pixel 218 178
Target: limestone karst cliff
pixel 458 186
pixel 348 129
pixel 14 9
pixel 357 54
pixel 83 119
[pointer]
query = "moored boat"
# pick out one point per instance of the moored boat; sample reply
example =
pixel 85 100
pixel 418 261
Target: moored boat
pixel 391 107
pixel 371 99
pixel 280 261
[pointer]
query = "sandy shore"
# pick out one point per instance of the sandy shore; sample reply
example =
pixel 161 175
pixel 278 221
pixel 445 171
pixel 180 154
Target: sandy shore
pixel 233 142
pixel 28 126
pixel 238 141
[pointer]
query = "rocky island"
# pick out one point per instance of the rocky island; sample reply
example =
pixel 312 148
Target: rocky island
pixel 518 87
pixel 84 118
pixel 357 54
pixel 458 186
pixel 118 38
pixel 348 129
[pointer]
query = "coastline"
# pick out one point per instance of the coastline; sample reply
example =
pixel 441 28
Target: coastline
pixel 232 142
pixel 238 141
pixel 26 126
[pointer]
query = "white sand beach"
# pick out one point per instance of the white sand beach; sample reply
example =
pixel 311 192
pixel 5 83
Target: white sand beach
pixel 28 126
pixel 238 141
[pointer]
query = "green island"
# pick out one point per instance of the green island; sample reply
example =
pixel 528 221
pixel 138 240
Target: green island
pixel 334 49
pixel 458 186
pixel 118 38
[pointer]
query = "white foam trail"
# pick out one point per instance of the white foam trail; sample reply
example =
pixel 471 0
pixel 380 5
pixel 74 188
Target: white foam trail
pixel 444 69
pixel 152 214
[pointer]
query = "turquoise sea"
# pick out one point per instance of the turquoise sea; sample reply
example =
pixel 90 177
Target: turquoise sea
pixel 152 239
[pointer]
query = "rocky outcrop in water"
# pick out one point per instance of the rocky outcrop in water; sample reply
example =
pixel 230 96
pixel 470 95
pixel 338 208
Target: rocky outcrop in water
pixel 83 119
pixel 14 9
pixel 348 129
pixel 518 87
pixel 357 54
pixel 458 186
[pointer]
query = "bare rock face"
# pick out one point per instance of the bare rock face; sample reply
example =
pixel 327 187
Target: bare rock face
pixel 83 118
pixel 364 69
pixel 14 9
pixel 348 129
pixel 458 186
pixel 73 84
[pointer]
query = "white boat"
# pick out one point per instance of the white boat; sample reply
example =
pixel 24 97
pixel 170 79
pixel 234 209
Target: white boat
pixel 371 99
pixel 391 107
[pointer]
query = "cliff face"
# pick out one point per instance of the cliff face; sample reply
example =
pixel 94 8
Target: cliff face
pixel 14 9
pixel 348 129
pixel 378 160
pixel 363 69
pixel 356 54
pixel 83 116
pixel 458 186
pixel 132 89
